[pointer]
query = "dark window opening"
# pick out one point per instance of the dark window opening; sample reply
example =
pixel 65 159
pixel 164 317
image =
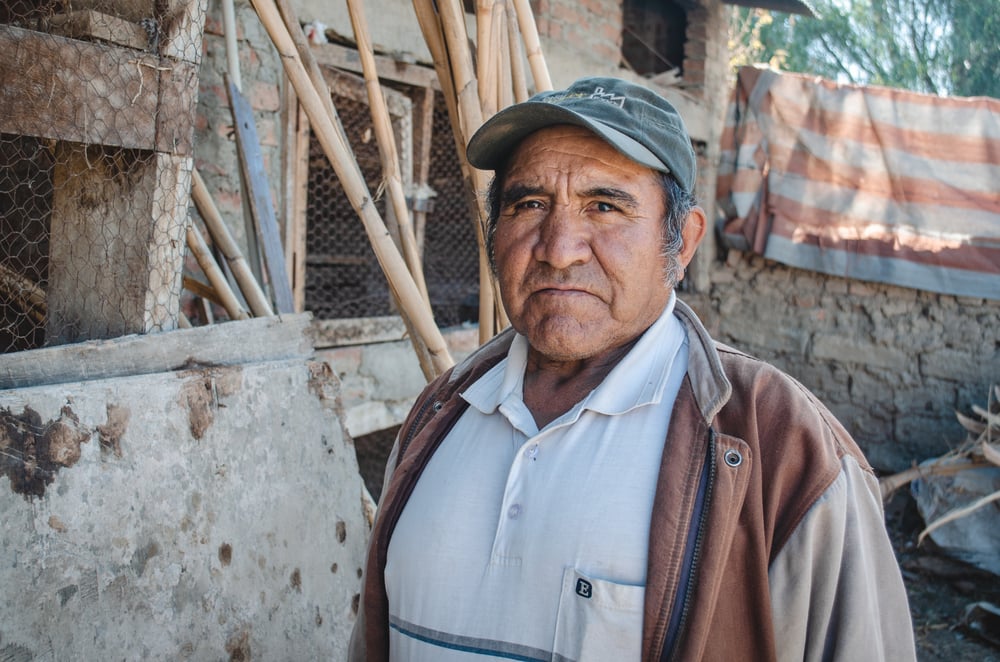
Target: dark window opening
pixel 653 36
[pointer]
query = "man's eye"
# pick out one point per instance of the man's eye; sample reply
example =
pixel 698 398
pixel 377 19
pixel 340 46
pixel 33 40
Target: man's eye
pixel 527 204
pixel 605 206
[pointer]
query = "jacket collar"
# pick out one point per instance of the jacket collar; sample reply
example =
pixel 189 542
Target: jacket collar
pixel 712 388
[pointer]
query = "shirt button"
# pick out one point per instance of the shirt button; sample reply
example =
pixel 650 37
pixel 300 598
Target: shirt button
pixel 531 451
pixel 514 511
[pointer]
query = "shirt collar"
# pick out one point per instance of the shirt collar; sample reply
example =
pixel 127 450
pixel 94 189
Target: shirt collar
pixel 638 379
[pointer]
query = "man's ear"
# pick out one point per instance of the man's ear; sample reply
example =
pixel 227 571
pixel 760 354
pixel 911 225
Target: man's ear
pixel 694 229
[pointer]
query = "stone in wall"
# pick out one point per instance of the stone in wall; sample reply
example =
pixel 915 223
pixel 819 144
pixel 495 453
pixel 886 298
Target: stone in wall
pixel 894 364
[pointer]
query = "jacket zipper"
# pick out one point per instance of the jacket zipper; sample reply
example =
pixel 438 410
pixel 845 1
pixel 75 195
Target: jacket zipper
pixel 417 425
pixel 692 553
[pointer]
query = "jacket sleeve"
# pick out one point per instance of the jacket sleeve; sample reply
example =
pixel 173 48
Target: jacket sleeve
pixel 836 589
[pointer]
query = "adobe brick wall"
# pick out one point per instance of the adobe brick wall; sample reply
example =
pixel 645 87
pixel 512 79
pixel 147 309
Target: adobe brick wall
pixel 893 363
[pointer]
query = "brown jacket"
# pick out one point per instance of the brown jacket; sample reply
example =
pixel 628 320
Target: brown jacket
pixel 753 464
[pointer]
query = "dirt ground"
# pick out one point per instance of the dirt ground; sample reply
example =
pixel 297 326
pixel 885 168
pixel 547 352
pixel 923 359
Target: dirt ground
pixel 939 587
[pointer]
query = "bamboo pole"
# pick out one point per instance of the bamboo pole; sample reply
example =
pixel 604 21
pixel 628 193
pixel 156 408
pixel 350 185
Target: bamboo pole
pixel 387 144
pixel 505 91
pixel 200 251
pixel 338 152
pixel 518 80
pixel 487 58
pixel 309 62
pixel 433 31
pixel 470 118
pixel 532 46
pixel 463 70
pixel 219 231
pixel 232 53
pixel 319 84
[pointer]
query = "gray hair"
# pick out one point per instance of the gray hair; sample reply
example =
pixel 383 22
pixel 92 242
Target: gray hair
pixel 679 204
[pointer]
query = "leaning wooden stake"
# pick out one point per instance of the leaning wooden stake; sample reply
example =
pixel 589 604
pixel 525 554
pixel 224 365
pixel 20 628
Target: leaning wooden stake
pixel 518 79
pixel 319 84
pixel 453 63
pixel 200 251
pixel 339 154
pixel 532 46
pixel 219 231
pixel 386 144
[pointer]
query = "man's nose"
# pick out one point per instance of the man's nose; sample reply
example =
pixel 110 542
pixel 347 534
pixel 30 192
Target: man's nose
pixel 562 240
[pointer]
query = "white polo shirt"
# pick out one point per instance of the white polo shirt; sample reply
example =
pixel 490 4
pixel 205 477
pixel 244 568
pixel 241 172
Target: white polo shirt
pixel 529 544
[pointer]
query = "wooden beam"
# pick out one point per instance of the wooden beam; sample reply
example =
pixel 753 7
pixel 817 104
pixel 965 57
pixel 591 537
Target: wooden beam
pixel 116 247
pixel 341 57
pixel 88 24
pixel 181 30
pixel 259 197
pixel 86 92
pixel 358 331
pixel 231 343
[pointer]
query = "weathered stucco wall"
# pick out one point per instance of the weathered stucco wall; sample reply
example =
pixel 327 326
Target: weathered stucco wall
pixel 380 380
pixel 892 363
pixel 203 513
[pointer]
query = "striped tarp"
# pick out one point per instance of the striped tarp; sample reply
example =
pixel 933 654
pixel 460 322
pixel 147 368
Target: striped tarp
pixel 869 183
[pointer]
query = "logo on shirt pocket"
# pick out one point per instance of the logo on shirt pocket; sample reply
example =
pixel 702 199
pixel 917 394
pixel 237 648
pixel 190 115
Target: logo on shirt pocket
pixel 584 588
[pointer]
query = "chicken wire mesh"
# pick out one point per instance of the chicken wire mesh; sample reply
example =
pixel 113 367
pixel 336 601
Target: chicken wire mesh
pixel 96 122
pixel 343 278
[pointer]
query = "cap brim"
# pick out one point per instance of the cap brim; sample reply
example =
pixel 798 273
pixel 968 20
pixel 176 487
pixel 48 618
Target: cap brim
pixel 497 138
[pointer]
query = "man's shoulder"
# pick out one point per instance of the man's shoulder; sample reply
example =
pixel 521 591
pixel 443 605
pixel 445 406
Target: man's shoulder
pixel 782 409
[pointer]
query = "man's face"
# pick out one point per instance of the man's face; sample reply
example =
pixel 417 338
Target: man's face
pixel 578 245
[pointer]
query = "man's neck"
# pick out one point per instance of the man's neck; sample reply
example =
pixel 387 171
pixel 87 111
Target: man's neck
pixel 551 388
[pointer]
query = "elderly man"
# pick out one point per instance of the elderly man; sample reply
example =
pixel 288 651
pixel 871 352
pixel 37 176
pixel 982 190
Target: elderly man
pixel 603 481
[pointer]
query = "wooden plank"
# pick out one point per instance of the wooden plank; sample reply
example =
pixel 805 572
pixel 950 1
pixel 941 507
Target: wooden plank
pixel 177 108
pixel 341 57
pixel 87 92
pixel 182 24
pixel 259 196
pixel 231 343
pixel 295 184
pixel 358 331
pixel 300 190
pixel 421 199
pixel 89 24
pixel 117 242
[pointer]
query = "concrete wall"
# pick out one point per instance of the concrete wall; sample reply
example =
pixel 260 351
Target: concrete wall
pixel 200 513
pixel 380 380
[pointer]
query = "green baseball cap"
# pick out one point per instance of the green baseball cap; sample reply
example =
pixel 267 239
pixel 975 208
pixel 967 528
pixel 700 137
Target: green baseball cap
pixel 633 119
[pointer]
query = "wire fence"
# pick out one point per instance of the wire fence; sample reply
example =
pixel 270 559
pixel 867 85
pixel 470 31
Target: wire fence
pixel 343 279
pixel 95 162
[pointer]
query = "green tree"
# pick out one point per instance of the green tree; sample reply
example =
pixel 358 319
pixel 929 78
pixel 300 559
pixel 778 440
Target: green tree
pixel 945 47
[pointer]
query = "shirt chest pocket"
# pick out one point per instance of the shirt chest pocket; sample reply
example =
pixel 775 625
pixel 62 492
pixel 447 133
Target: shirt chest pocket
pixel 598 620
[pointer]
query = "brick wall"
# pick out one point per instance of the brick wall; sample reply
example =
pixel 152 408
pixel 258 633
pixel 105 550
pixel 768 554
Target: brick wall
pixel 592 26
pixel 215 146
